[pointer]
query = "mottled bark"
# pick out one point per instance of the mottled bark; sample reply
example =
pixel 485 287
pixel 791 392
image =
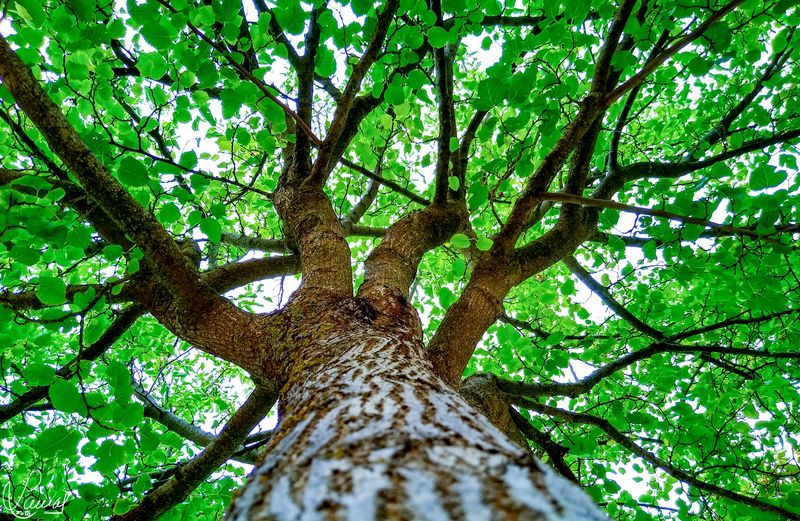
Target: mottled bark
pixel 368 431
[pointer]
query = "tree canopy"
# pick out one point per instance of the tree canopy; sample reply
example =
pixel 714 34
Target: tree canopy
pixel 597 202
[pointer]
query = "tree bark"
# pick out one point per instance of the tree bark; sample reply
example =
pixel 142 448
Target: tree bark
pixel 373 433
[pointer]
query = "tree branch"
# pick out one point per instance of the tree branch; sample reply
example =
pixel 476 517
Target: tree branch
pixel 385 182
pixel 624 441
pixel 604 295
pixel 622 119
pixel 583 386
pixel 117 328
pixel 189 476
pixel 446 111
pixel 221 279
pixel 602 66
pixel 657 61
pixel 459 168
pixel 732 321
pixel 249 77
pixel 721 129
pixel 674 170
pixel 187 430
pixel 392 266
pixel 604 203
pixel 74 194
pixel 555 451
pixel 170 265
pixel 344 103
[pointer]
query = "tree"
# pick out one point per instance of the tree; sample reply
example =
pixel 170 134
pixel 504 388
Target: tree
pixel 562 229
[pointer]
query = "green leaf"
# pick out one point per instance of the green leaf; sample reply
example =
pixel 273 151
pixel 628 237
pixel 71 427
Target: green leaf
pixel 149 439
pixel 152 65
pixel 478 195
pixel 453 183
pixel 212 228
pixel 32 11
pixel 39 374
pixel 56 194
pixel 157 34
pixel 188 159
pixel 765 176
pixel 127 414
pixel 395 94
pixel 459 267
pixel 438 37
pixel 142 485
pixel 291 16
pixel 92 332
pixel 169 213
pixel 123 505
pixel 51 290
pixel 65 397
pixel 491 92
pixel 325 62
pixel 110 456
pixel 56 439
pixel 446 297
pixel 484 243
pixel 132 172
pixel 25 254
pixel 459 240
pixel 119 378
pixel 750 411
pixel 361 7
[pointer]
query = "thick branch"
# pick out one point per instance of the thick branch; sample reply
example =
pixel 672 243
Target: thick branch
pixel 305 86
pixel 186 306
pixel 481 302
pixel 392 265
pixel 673 170
pixel 446 111
pixel 460 162
pixel 221 279
pixel 312 227
pixel 732 321
pixel 74 195
pixel 602 67
pixel 555 451
pixel 622 119
pixel 361 207
pixel 553 162
pixel 276 32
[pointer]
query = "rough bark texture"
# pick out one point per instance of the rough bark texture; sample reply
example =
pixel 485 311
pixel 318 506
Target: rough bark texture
pixel 372 433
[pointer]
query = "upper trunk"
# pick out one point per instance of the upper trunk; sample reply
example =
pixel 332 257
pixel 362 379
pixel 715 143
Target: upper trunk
pixel 372 433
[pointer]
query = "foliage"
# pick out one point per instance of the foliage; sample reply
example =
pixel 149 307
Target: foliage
pixel 691 315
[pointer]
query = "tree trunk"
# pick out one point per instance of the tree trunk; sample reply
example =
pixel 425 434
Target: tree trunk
pixel 373 433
